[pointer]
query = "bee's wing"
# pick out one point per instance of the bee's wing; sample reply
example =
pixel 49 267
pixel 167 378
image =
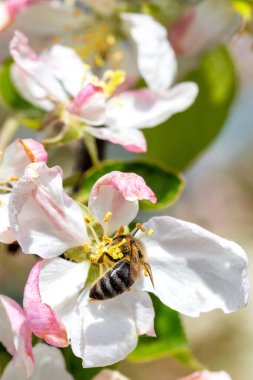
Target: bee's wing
pixel 135 262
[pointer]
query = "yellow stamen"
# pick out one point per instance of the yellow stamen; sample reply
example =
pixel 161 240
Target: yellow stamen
pixel 121 230
pixel 112 79
pixel 86 219
pixel 107 217
pixel 140 227
pixel 14 178
pixel 93 258
pixel 107 239
pixel 149 232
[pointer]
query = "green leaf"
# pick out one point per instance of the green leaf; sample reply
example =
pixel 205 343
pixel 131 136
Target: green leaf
pixel 165 182
pixel 8 93
pixel 170 341
pixel 4 358
pixel 180 139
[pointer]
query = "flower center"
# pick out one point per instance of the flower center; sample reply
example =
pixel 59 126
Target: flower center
pixel 111 249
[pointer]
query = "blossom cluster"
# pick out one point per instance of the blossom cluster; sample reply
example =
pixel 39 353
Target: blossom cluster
pixel 96 264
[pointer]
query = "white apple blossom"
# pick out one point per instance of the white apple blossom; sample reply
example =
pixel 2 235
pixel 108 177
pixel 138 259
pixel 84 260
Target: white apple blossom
pixel 193 270
pixel 35 363
pixel 12 165
pixel 59 81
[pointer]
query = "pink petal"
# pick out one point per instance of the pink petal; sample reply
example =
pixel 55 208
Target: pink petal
pixel 118 193
pixel 15 6
pixel 89 105
pixel 206 375
pixel 42 319
pixel 18 155
pixel 15 334
pixel 130 185
pixel 132 140
pixel 34 150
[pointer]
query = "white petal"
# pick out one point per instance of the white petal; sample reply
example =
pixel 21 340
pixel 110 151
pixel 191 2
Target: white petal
pixel 45 220
pixel 132 140
pixel 67 67
pixel 30 90
pixel 146 108
pixel 31 67
pixel 194 270
pixel 6 234
pixel 106 332
pixel 156 58
pixel 60 284
pixel 49 364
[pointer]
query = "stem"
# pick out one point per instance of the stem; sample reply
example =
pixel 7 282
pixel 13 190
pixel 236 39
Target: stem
pixel 7 131
pixel 91 146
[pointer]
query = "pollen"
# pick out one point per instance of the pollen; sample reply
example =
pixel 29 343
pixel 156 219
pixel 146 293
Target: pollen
pixel 107 217
pixel 115 251
pixel 121 230
pixel 140 227
pixel 107 239
pixel 146 274
pixel 14 178
pixel 112 79
pixel 87 220
pixel 93 258
pixel 150 232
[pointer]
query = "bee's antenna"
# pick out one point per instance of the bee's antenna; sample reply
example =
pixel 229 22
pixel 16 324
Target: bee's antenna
pixel 149 273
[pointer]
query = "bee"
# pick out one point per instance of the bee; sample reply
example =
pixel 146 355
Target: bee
pixel 124 273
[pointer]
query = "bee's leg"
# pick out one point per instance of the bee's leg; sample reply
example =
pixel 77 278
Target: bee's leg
pixel 149 272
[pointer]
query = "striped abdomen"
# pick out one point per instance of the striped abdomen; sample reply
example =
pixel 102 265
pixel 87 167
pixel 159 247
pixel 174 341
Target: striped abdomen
pixel 114 282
